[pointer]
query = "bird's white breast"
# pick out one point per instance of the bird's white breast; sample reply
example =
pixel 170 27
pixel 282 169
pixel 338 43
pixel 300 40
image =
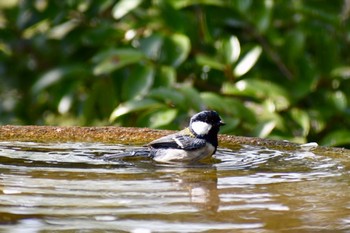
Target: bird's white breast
pixel 179 155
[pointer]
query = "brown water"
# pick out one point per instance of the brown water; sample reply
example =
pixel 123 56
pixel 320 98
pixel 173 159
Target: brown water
pixel 69 188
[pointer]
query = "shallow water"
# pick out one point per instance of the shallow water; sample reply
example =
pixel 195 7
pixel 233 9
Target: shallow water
pixel 68 187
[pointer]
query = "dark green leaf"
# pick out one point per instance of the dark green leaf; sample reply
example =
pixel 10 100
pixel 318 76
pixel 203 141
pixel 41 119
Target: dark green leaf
pixel 175 50
pixel 303 119
pixel 169 96
pixel 138 83
pixel 213 101
pixel 336 138
pixel 113 59
pixel 165 77
pixel 192 98
pixel 204 60
pixel 152 46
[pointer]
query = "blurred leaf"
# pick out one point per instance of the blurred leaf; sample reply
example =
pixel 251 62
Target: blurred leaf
pixel 317 120
pixel 175 20
pixel 133 106
pixel 169 96
pixel 152 46
pixel 240 110
pixel 113 59
pixel 242 5
pixel 204 60
pixel 162 117
pixel 230 125
pixel 101 100
pixel 295 42
pixel 60 31
pixel 326 53
pixel 336 138
pixel 165 77
pixel 260 90
pixel 213 101
pixel 138 83
pixel 192 98
pixel 302 118
pixel 5 49
pixel 48 79
pixel 231 49
pixel 267 112
pixel 264 129
pixel 339 100
pixel 176 49
pixel 40 27
pixel 247 62
pixel 8 3
pixel 123 7
pixel 65 103
pixel 341 72
pixel 307 80
pixel 262 19
pixel 57 75
pixel 178 4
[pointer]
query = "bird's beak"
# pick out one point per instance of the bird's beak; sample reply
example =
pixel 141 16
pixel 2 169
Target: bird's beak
pixel 222 123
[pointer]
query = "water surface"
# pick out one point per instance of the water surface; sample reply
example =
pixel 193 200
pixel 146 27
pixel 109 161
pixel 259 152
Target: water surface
pixel 68 187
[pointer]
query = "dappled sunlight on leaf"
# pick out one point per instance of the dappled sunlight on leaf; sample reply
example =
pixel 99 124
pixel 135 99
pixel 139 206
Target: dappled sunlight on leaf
pixel 54 76
pixel 247 62
pixel 162 117
pixel 123 7
pixel 132 106
pixel 231 49
pixel 65 104
pixel 259 90
pixel 210 62
pixel 60 31
pixel 342 72
pixel 264 129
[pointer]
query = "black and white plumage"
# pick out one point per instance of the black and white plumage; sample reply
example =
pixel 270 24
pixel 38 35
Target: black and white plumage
pixel 196 142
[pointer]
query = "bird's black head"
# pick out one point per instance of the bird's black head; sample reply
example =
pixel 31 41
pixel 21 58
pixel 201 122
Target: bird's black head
pixel 206 124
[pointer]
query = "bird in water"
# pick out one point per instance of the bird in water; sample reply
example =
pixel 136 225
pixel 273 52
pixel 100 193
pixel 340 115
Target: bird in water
pixel 196 142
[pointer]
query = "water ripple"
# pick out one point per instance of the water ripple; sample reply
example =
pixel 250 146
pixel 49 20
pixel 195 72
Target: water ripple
pixel 68 186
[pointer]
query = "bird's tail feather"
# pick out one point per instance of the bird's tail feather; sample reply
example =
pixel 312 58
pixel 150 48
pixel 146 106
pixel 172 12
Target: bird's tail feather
pixel 143 153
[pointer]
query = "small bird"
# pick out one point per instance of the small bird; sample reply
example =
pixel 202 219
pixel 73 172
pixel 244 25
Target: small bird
pixel 196 142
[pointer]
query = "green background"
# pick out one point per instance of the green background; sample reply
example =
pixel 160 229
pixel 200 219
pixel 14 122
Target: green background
pixel 275 69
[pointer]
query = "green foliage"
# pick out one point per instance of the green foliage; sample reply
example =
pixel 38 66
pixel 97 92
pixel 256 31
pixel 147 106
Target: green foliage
pixel 276 69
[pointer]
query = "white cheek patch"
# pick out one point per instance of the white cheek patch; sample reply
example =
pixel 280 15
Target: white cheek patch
pixel 200 127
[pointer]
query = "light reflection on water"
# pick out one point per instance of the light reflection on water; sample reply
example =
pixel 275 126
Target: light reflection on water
pixel 58 187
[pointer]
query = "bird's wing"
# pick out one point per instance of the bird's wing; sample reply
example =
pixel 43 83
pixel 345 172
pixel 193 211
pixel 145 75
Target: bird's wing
pixel 178 141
